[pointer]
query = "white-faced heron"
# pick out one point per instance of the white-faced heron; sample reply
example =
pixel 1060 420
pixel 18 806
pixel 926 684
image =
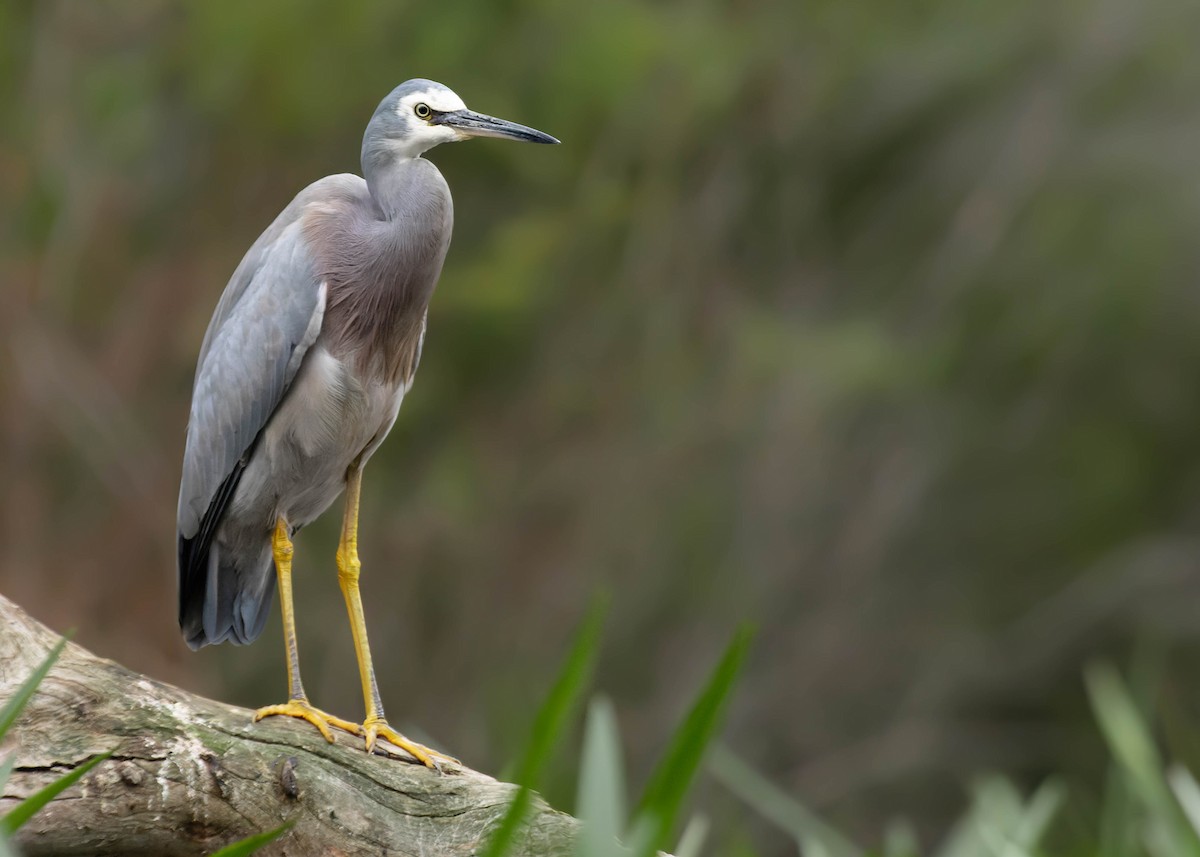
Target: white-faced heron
pixel 310 351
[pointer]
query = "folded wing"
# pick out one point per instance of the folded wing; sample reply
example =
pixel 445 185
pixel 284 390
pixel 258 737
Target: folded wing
pixel 267 319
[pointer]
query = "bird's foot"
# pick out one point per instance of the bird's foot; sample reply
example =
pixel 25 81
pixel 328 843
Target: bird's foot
pixel 302 709
pixel 377 728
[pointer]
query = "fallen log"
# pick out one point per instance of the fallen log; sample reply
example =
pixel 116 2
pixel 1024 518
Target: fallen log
pixel 189 775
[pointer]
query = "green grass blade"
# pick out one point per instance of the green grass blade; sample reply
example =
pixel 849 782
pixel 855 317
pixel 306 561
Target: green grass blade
pixel 252 843
pixel 671 779
pixel 601 802
pixel 809 831
pixel 1132 745
pixel 1118 816
pixel 692 840
pixel 1012 827
pixel 900 839
pixel 1042 809
pixel 567 690
pixel 549 724
pixel 1004 823
pixel 502 839
pixel 991 803
pixel 12 709
pixel 1128 738
pixel 25 810
pixel 6 769
pixel 1187 792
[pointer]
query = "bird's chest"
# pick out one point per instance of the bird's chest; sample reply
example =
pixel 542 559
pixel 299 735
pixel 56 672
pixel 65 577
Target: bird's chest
pixel 380 277
pixel 329 419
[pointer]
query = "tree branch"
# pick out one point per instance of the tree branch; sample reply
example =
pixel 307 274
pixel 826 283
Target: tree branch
pixel 189 775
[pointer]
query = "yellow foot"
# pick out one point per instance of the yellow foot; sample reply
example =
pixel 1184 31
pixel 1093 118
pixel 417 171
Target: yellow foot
pixel 301 708
pixel 376 728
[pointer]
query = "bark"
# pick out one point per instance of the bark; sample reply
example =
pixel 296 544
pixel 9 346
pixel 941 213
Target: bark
pixel 189 775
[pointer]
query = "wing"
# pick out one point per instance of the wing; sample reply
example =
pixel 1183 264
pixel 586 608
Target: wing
pixel 267 318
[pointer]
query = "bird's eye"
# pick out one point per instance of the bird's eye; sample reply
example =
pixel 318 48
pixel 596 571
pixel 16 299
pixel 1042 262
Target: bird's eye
pixel 422 110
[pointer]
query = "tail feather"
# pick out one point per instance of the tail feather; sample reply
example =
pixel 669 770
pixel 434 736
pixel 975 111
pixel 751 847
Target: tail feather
pixel 230 600
pixel 225 587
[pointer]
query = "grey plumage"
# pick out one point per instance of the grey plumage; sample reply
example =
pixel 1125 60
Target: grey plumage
pixel 312 347
pixel 267 320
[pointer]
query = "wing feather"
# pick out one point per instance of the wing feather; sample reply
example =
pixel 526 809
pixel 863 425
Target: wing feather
pixel 254 351
pixel 268 317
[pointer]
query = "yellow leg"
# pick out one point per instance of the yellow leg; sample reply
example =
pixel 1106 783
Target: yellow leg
pixel 375 726
pixel 297 704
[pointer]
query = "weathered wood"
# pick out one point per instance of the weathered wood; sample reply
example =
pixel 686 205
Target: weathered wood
pixel 189 775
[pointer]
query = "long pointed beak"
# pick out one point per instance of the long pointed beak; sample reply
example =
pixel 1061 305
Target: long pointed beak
pixel 468 123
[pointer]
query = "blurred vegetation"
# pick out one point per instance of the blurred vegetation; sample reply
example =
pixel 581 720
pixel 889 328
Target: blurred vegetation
pixel 872 323
pixel 1150 807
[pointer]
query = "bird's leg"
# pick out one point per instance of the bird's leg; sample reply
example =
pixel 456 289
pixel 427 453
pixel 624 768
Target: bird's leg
pixel 375 726
pixel 297 704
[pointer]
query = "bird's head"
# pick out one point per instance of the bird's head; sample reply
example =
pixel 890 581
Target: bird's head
pixel 419 114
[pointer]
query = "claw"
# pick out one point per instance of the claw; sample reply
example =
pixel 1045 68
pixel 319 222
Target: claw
pixel 375 728
pixel 303 710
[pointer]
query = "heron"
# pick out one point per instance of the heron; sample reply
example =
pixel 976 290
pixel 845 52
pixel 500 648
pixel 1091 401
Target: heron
pixel 310 351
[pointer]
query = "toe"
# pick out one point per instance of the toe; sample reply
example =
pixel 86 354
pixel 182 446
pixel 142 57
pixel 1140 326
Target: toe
pixel 321 727
pixel 427 757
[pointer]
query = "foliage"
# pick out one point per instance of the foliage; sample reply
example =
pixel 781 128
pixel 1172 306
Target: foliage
pixel 548 726
pixel 602 796
pixel 1153 809
pixel 671 779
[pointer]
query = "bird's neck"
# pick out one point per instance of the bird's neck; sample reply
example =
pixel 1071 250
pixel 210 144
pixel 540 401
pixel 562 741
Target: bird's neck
pixel 389 176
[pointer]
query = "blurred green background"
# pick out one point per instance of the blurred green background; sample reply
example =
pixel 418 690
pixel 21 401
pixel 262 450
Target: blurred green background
pixel 875 324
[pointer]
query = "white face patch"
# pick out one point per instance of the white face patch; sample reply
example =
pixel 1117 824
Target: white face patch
pixel 442 100
pixel 422 135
